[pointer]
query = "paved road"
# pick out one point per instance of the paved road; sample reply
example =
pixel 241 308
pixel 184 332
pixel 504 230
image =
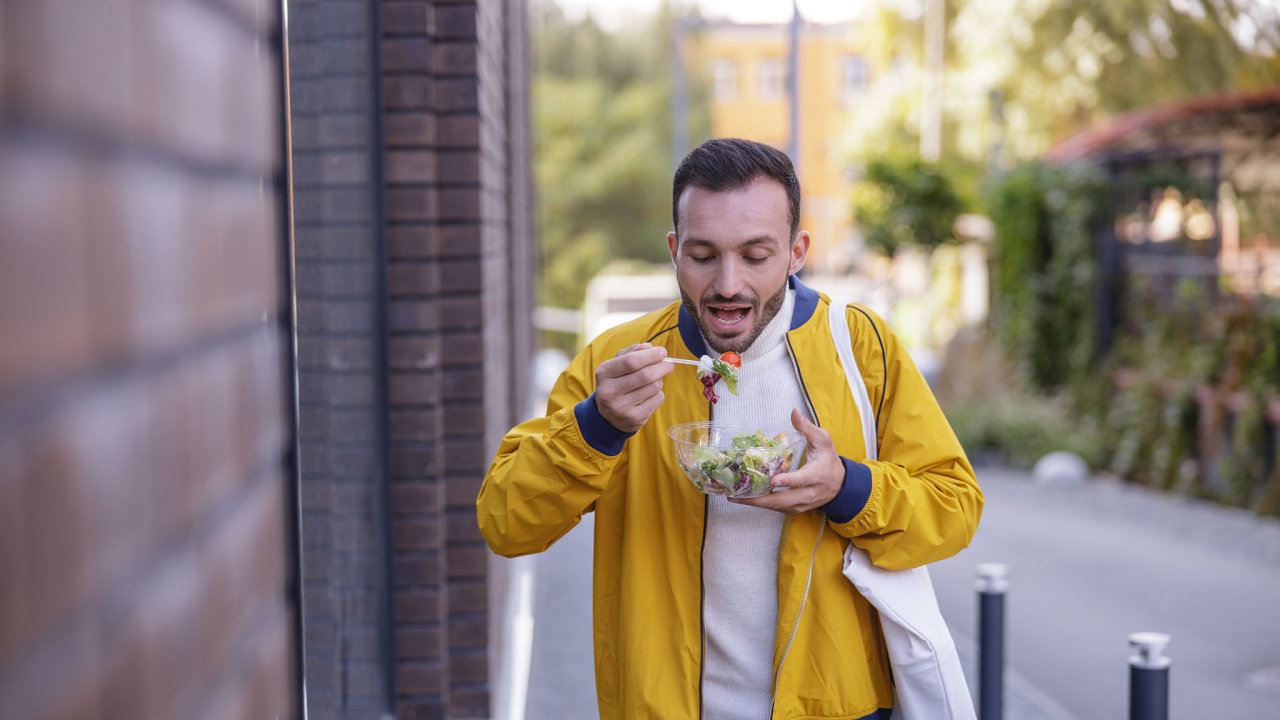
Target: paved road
pixel 1088 565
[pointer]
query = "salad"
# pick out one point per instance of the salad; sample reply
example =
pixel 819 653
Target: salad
pixel 741 470
pixel 711 371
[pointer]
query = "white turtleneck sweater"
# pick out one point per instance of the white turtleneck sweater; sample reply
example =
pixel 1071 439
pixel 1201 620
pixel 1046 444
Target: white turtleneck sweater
pixel 740 556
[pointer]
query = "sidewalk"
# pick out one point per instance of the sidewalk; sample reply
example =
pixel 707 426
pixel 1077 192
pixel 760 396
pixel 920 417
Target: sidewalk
pixel 1087 566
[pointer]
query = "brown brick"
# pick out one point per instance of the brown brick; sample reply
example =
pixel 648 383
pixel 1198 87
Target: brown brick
pixel 270 674
pixel 454 58
pixel 407 92
pixel 419 677
pixel 462 488
pixel 414 461
pixel 68 685
pixel 462 526
pixel 411 166
pixel 460 277
pixel 418 498
pixel 469 596
pixel 454 95
pixel 407 54
pixel 461 313
pixel 68 63
pixel 414 425
pixel 409 129
pixel 417 571
pixel 414 352
pixel 467 666
pixel 460 167
pixel 468 631
pixel 464 384
pixel 44 299
pixel 414 279
pixel 405 205
pixel 418 708
pixel 413 241
pixel 418 389
pixel 462 348
pixel 13 551
pixel 467 562
pixel 413 315
pixel 404 18
pixel 469 702
pixel 416 534
pixel 454 21
pixel 415 642
pixel 464 455
pixel 417 606
pixel 464 421
pixel 458 131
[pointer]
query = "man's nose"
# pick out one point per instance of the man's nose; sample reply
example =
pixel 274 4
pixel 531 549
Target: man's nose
pixel 728 280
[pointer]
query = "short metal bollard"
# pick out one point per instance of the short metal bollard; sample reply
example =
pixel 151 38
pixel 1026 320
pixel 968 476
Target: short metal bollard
pixel 992 584
pixel 1148 676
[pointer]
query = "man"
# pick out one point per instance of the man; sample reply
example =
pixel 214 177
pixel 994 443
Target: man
pixel 715 608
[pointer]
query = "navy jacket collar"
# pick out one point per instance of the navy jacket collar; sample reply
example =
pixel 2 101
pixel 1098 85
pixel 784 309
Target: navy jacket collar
pixel 806 304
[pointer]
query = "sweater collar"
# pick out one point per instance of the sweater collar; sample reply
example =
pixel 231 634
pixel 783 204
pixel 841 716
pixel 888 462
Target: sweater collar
pixel 806 301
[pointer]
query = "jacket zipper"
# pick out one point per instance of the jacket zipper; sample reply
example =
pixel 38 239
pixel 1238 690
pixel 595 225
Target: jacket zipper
pixel 702 588
pixel 804 599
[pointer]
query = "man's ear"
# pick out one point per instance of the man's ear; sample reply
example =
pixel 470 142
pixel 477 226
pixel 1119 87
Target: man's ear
pixel 799 251
pixel 673 244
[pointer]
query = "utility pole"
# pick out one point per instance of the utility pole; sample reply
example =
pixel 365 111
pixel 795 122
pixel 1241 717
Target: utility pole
pixel 935 20
pixel 679 94
pixel 793 82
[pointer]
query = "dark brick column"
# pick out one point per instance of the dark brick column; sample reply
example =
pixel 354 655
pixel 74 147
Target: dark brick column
pixel 459 285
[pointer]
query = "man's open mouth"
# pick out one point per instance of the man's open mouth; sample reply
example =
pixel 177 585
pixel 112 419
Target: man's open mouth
pixel 728 319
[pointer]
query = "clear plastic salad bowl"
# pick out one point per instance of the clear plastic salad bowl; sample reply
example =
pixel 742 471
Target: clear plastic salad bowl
pixel 735 460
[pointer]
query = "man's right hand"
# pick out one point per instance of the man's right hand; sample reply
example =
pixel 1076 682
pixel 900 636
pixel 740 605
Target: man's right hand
pixel 629 387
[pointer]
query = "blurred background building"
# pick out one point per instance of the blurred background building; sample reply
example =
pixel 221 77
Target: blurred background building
pixel 752 69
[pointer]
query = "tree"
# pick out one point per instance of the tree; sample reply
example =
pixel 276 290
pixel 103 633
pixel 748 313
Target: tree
pixel 602 136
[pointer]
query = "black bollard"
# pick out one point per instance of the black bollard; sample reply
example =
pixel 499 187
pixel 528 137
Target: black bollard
pixel 992 585
pixel 1148 677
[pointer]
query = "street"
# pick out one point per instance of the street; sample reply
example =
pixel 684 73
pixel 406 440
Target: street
pixel 1087 566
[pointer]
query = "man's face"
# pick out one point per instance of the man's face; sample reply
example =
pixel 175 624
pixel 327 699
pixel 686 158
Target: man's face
pixel 732 257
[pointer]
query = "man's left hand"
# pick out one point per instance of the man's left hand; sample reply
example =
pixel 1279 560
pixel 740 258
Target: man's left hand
pixel 814 484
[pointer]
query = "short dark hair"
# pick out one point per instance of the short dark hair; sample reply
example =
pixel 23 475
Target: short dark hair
pixel 723 164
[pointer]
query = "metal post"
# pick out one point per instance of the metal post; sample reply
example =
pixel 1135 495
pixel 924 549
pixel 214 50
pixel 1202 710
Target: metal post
pixel 992 584
pixel 1148 676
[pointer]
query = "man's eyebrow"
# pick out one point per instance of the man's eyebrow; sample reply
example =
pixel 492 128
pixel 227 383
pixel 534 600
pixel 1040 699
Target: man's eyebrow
pixel 761 240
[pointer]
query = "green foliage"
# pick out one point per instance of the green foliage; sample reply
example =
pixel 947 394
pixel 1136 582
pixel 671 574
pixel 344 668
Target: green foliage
pixel 602 143
pixel 1045 277
pixel 1019 429
pixel 905 203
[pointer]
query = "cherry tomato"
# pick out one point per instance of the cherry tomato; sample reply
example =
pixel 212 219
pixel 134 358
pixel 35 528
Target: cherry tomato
pixel 732 358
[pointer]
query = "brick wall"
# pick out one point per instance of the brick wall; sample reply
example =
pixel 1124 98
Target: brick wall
pixel 144 569
pixel 459 277
pixel 414 281
pixel 338 224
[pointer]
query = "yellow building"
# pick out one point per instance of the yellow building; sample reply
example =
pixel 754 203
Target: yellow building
pixel 747 66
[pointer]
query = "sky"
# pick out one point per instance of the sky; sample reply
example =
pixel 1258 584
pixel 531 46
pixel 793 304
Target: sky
pixel 611 14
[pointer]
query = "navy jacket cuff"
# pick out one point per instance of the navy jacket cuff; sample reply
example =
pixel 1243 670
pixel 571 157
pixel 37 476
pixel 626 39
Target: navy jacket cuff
pixel 853 495
pixel 597 431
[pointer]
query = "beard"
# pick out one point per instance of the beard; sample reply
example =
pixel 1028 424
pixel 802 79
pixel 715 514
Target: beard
pixel 740 341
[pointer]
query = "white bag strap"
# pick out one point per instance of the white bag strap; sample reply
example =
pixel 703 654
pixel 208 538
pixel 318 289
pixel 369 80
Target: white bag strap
pixel 837 314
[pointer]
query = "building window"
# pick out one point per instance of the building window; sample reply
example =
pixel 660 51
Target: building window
pixel 854 77
pixel 773 79
pixel 725 72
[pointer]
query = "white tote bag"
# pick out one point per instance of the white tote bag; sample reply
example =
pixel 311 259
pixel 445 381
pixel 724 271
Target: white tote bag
pixel 928 680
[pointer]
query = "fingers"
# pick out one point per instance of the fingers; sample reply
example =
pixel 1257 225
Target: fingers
pixel 792 501
pixel 629 386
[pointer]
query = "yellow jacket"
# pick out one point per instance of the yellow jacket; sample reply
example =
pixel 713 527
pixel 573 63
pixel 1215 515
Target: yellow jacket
pixel 917 504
